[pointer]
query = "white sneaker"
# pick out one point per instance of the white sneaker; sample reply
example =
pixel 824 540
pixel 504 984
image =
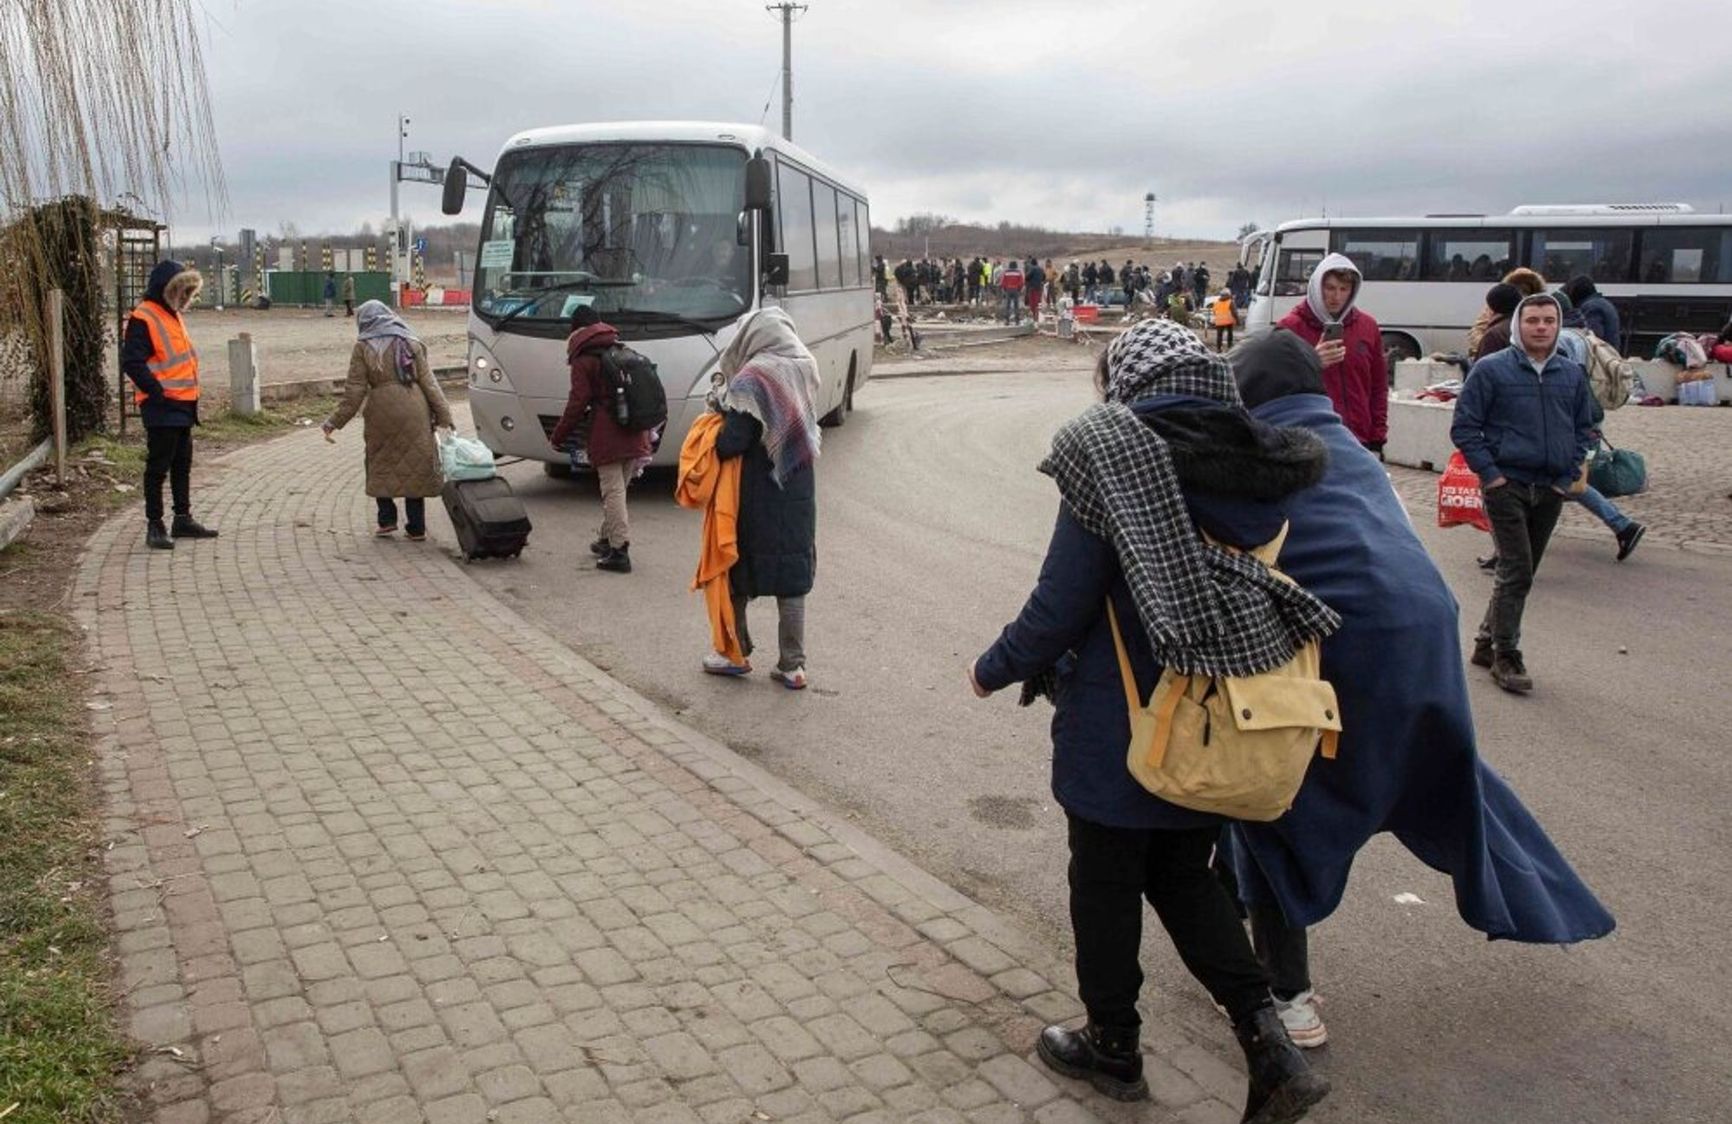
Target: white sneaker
pixel 717 664
pixel 1304 1025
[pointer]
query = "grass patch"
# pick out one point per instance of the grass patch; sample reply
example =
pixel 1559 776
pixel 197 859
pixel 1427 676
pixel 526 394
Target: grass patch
pixel 60 1051
pixel 278 416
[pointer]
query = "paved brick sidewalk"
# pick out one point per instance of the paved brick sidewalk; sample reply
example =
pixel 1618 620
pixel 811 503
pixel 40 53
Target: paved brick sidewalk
pixel 381 850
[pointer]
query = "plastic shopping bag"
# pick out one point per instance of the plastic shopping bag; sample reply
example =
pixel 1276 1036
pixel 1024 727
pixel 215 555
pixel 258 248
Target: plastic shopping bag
pixel 1459 499
pixel 464 458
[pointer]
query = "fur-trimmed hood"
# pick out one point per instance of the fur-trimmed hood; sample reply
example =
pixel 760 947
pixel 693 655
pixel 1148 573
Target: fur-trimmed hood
pixel 173 285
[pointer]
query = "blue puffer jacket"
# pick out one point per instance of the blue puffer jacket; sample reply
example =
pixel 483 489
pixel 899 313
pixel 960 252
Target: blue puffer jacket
pixel 1532 424
pixel 1064 626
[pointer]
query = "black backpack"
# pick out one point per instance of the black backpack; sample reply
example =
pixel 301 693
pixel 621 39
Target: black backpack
pixel 638 401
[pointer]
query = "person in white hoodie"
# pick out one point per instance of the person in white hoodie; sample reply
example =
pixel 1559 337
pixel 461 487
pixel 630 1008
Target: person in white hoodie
pixel 1350 344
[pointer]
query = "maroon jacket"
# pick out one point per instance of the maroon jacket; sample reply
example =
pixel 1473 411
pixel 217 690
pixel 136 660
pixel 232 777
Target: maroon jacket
pixel 1359 384
pixel 608 442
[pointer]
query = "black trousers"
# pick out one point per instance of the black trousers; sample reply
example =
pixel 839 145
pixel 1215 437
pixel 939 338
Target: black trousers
pixel 1284 950
pixel 1523 517
pixel 168 454
pixel 1223 334
pixel 1112 870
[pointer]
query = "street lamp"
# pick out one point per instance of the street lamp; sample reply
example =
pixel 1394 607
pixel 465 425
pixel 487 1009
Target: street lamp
pixel 217 245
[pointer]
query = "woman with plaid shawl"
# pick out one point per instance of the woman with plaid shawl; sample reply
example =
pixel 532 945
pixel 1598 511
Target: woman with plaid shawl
pixel 1168 453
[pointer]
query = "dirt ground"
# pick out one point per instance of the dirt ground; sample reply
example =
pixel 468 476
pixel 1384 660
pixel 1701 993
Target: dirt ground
pixel 302 343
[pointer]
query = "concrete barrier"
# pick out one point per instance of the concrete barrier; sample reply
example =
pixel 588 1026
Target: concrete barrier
pixel 1419 434
pixel 243 375
pixel 1414 375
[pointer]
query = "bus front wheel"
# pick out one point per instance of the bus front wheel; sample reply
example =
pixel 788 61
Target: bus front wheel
pixel 839 415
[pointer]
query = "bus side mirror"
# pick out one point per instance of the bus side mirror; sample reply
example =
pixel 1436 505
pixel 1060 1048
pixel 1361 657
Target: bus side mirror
pixel 743 229
pixel 775 270
pixel 456 185
pixel 757 184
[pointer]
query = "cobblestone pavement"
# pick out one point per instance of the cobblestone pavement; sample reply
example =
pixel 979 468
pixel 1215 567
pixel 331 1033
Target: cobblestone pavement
pixel 1687 504
pixel 380 850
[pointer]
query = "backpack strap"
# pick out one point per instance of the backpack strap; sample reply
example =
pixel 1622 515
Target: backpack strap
pixel 1169 705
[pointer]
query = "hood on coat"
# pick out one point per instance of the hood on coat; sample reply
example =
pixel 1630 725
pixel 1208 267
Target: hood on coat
pixel 1224 451
pixel 1333 263
pixel 1274 366
pixel 592 338
pixel 1516 324
pixel 173 285
pixel 1527 280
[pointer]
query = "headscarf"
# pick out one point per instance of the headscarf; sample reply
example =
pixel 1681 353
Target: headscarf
pixel 1207 610
pixel 385 330
pixel 1161 357
pixel 768 373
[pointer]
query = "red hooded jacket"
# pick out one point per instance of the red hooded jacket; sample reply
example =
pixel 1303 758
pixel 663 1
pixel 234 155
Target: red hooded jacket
pixel 608 441
pixel 1359 384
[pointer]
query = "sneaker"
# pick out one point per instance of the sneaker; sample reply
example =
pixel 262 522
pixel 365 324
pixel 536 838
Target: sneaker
pixel 383 531
pixel 415 536
pixel 1628 538
pixel 156 536
pixel 1508 672
pixel 1488 564
pixel 793 680
pixel 717 664
pixel 1299 1015
pixel 1482 654
pixel 186 527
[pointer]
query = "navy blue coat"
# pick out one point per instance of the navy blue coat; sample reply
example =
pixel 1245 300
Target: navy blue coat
pixel 1064 623
pixel 1408 761
pixel 1533 426
pixel 1601 317
pixel 778 524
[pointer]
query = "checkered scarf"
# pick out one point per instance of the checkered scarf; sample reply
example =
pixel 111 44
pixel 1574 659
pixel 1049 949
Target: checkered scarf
pixel 1207 610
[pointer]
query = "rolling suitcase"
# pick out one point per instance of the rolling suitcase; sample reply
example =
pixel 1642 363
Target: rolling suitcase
pixel 490 521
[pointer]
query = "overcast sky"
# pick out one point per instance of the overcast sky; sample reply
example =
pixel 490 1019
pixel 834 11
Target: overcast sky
pixel 1052 113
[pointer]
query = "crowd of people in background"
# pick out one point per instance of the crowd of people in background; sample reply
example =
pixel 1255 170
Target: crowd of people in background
pixel 1012 287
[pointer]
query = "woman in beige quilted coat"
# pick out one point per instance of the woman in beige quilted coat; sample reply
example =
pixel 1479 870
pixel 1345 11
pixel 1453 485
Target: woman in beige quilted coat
pixel 388 372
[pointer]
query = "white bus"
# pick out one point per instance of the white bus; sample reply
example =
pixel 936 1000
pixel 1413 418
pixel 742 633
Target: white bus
pixel 673 232
pixel 1665 267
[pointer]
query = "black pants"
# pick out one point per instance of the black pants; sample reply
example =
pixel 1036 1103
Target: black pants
pixel 1523 517
pixel 413 506
pixel 1282 949
pixel 1223 334
pixel 168 454
pixel 1111 871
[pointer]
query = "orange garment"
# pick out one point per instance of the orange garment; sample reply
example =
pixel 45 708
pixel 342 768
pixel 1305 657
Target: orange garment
pixel 1225 317
pixel 709 483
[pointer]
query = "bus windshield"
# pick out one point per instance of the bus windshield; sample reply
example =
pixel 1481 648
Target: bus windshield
pixel 645 231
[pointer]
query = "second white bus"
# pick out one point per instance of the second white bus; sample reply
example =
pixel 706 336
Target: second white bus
pixel 1665 267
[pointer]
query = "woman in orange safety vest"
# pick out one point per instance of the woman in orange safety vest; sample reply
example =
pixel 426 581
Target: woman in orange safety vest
pixel 1226 318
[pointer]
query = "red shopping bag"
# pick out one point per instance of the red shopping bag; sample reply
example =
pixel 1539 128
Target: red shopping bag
pixel 1459 499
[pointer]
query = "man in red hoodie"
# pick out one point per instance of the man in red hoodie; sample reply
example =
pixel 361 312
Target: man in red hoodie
pixel 1350 344
pixel 612 449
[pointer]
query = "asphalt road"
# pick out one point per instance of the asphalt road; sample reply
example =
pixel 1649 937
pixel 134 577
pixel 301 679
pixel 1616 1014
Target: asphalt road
pixel 932 525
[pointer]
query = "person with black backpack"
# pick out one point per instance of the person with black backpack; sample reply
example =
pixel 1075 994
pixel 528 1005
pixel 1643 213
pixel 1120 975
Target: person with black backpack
pixel 606 418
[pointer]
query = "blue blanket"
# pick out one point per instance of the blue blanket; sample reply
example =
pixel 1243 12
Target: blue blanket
pixel 1408 762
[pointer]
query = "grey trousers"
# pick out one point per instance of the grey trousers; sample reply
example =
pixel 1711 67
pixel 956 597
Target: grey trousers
pixel 790 630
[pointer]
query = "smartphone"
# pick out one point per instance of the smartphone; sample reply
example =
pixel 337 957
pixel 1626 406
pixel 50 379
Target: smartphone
pixel 1332 333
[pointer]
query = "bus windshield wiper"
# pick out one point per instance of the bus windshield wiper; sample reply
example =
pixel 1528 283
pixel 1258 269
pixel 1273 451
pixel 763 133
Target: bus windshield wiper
pixel 587 281
pixel 664 317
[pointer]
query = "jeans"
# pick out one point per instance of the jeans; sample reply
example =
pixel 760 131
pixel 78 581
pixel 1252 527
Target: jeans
pixel 1012 307
pixel 1522 519
pixel 615 523
pixel 168 455
pixel 1112 870
pixel 1605 510
pixel 790 630
pixel 414 507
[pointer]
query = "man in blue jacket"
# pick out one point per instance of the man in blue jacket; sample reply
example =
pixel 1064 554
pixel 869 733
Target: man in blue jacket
pixel 1525 424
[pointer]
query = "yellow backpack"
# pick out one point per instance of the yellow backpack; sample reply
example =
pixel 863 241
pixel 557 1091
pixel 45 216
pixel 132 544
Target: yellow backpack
pixel 1236 746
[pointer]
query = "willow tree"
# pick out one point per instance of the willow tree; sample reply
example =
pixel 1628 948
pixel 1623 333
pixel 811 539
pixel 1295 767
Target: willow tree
pixel 100 100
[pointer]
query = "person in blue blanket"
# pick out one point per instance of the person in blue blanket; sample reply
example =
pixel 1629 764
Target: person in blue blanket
pixel 1407 762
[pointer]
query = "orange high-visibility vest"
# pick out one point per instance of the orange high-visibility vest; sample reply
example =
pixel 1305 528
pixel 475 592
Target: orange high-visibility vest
pixel 1224 315
pixel 173 359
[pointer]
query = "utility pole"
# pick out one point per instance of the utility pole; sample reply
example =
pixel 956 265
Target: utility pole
pixel 787 10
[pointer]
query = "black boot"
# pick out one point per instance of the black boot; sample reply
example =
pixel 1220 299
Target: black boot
pixel 1283 1086
pixel 186 527
pixel 600 547
pixel 1110 1060
pixel 1483 655
pixel 156 536
pixel 617 560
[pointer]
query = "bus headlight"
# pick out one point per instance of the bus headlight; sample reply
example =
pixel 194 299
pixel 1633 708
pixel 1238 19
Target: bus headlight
pixel 484 367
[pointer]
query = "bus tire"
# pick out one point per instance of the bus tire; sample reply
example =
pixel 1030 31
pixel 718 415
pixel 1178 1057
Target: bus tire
pixel 1396 347
pixel 839 416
